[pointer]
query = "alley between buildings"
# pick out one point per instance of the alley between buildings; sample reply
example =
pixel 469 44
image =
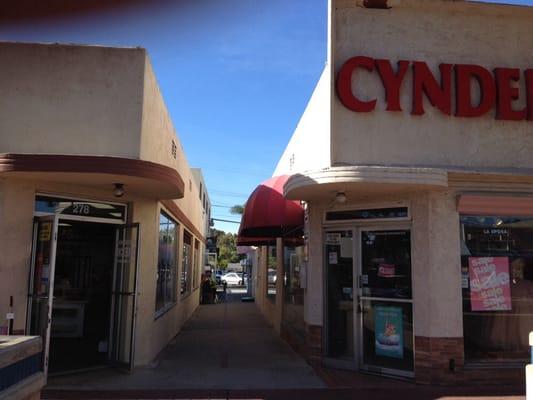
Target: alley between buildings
pixel 223 346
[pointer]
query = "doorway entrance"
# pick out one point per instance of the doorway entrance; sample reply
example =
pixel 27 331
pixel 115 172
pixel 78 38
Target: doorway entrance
pixel 369 314
pixel 83 286
pixel 82 295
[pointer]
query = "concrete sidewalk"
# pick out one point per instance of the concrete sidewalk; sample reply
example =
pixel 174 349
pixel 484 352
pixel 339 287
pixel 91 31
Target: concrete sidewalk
pixel 227 351
pixel 224 346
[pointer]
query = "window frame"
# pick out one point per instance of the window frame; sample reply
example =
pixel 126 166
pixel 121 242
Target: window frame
pixel 186 270
pixel 167 305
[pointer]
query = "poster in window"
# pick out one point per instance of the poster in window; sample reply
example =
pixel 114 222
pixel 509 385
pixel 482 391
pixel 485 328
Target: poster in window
pixel 490 288
pixel 346 247
pixel 333 238
pixel 388 327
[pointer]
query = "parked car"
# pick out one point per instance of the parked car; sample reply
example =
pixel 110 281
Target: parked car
pixel 231 279
pixel 244 278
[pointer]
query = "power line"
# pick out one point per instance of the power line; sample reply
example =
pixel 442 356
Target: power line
pixel 225 220
pixel 224 192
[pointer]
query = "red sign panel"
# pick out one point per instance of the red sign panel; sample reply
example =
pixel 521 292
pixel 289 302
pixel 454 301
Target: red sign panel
pixel 489 283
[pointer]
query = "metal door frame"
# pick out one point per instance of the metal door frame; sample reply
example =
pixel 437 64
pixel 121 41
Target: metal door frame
pixel 329 361
pixel 407 226
pixel 130 365
pixel 51 279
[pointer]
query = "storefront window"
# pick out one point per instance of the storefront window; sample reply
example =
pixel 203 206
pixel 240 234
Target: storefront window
pixel 197 263
pixel 271 272
pixel 293 308
pixel 166 263
pixel 293 260
pixel 186 264
pixel 497 285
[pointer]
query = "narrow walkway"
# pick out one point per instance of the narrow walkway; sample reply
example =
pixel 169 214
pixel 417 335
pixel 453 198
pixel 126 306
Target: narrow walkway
pixel 225 346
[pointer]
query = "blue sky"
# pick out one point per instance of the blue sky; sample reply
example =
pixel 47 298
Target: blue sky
pixel 236 76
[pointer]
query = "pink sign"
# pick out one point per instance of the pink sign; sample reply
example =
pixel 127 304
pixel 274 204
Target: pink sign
pixel 386 270
pixel 489 283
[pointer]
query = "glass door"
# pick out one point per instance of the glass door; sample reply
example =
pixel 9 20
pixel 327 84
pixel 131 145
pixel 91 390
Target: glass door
pixel 339 249
pixel 41 282
pixel 385 301
pixel 124 297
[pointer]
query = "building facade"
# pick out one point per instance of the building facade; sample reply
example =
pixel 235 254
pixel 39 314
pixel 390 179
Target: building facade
pixel 413 163
pixel 102 221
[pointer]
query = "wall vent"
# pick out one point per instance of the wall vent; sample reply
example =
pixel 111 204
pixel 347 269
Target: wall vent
pixel 174 150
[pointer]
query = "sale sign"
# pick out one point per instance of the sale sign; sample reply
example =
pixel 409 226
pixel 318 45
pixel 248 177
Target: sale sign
pixel 489 283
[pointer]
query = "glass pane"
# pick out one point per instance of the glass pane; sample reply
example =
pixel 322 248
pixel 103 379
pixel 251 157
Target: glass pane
pixel 386 264
pixel 497 285
pixel 41 278
pixel 339 270
pixel 125 286
pixel 388 335
pixel 293 306
pixel 271 272
pixel 186 269
pixel 166 263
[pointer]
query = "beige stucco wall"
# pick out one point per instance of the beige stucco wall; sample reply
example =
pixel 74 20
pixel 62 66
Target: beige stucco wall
pixel 157 135
pixel 16 230
pixel 89 100
pixel 59 99
pixel 309 145
pixel 271 307
pixel 436 31
pixel 314 293
pixel 266 304
pixel 154 333
pixel 436 265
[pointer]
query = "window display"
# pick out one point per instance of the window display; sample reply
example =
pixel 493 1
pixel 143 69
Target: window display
pixel 497 284
pixel 166 263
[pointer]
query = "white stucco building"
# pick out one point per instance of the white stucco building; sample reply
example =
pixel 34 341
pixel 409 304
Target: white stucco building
pixel 413 163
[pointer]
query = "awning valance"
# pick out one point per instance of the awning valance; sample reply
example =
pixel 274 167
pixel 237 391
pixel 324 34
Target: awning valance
pixel 269 215
pixel 496 205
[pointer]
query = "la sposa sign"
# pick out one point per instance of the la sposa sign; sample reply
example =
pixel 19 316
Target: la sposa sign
pixel 498 89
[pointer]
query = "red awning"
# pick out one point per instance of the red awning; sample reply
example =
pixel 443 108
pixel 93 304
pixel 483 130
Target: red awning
pixel 269 215
pixel 258 242
pixel 255 241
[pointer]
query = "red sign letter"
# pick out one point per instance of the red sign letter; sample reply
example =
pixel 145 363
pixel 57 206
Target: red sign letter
pixel 344 84
pixel 507 93
pixel 392 82
pixel 425 83
pixel 463 78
